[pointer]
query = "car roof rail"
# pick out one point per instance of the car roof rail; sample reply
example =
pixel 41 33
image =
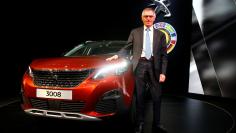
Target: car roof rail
pixel 88 41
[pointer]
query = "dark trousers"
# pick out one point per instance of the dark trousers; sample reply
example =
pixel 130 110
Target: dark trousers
pixel 144 74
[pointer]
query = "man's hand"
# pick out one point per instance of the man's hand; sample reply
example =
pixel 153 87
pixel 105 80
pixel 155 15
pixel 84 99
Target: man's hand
pixel 114 57
pixel 162 78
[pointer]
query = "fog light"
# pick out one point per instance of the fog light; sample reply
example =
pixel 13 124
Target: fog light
pixel 113 94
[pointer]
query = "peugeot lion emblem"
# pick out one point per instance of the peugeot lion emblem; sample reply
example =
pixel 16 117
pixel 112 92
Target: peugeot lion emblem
pixel 55 77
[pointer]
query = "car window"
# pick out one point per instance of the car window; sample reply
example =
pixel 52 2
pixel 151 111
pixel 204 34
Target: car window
pixel 97 48
pixel 106 49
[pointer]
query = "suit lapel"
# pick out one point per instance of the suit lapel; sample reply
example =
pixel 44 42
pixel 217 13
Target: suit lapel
pixel 141 38
pixel 155 40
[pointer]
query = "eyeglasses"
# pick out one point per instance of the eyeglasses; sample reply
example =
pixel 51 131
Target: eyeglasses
pixel 146 16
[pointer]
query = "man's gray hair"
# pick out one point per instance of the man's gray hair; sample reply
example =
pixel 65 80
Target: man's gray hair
pixel 149 9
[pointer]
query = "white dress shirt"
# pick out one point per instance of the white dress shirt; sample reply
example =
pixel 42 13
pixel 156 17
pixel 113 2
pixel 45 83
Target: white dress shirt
pixel 144 40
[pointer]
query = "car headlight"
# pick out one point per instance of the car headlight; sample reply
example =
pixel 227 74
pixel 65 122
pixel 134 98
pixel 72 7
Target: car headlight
pixel 113 69
pixel 30 72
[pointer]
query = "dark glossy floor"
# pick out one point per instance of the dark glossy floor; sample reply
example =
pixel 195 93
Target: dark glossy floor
pixel 179 115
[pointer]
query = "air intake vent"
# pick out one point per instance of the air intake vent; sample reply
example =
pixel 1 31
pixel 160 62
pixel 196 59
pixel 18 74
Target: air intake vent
pixel 58 105
pixel 71 106
pixel 39 104
pixel 106 106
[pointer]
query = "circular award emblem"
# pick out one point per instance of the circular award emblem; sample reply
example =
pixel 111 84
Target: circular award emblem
pixel 169 31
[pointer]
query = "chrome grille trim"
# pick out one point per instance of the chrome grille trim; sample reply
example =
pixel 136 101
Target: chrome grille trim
pixel 58 114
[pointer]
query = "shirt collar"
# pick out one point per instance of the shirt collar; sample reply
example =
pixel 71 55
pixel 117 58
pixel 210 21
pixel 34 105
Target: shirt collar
pixel 151 28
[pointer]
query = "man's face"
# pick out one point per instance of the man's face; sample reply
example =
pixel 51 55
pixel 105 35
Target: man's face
pixel 148 17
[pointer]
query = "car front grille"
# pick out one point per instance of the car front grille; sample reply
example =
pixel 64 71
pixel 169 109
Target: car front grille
pixel 60 78
pixel 106 106
pixel 66 106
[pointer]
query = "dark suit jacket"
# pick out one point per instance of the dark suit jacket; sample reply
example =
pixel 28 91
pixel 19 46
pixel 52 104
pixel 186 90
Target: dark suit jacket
pixel 159 49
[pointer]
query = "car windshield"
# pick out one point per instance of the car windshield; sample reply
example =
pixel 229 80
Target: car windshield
pixel 96 48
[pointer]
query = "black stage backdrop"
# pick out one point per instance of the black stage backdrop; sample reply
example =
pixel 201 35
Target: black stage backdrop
pixel 47 29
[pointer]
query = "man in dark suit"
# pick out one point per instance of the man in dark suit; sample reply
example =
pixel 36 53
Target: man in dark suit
pixel 149 65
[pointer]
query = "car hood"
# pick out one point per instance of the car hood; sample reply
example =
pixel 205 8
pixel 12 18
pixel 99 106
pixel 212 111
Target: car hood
pixel 70 63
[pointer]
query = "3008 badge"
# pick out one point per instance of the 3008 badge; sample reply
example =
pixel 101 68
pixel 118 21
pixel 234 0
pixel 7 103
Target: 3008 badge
pixel 53 94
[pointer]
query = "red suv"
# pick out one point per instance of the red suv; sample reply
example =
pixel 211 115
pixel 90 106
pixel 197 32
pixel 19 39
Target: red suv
pixel 81 84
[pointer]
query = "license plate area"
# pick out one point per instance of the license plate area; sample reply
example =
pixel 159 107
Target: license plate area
pixel 54 94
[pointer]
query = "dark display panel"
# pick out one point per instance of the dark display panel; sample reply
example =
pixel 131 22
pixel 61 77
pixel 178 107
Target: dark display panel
pixel 213 61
